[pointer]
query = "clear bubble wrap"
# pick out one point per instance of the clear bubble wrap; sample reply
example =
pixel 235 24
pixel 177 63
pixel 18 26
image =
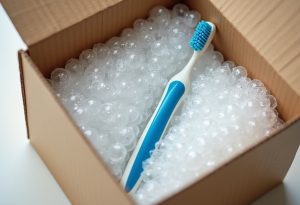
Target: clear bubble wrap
pixel 113 89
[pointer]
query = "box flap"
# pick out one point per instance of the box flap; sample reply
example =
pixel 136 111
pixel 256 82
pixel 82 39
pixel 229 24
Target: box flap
pixel 272 27
pixel 36 20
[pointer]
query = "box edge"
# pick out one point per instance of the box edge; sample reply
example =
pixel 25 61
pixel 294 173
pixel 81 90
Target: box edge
pixel 21 77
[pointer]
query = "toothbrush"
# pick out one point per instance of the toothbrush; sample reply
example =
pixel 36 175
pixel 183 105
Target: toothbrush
pixel 176 89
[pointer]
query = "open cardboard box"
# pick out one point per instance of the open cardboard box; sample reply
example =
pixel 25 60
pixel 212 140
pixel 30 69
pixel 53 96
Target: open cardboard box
pixel 260 35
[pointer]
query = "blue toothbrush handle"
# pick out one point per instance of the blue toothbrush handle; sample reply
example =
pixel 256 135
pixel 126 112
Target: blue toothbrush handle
pixel 156 127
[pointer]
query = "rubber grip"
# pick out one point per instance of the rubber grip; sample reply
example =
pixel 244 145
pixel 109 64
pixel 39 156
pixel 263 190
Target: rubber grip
pixel 156 129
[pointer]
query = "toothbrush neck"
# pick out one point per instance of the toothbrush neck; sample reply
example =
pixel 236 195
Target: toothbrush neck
pixel 185 73
pixel 189 66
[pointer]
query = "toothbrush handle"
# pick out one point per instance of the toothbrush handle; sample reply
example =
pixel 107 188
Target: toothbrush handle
pixel 152 134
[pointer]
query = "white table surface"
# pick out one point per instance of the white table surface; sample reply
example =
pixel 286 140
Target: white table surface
pixel 24 178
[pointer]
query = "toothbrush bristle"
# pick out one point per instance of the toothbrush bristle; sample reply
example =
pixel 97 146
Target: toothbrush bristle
pixel 200 36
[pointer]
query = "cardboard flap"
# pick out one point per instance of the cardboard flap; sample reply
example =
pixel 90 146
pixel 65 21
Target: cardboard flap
pixel 36 20
pixel 272 27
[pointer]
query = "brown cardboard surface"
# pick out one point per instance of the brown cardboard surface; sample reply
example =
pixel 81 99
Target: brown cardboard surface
pixel 272 27
pixel 77 168
pixel 67 154
pixel 36 20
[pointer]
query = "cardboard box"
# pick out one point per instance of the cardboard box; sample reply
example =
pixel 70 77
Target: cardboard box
pixel 262 35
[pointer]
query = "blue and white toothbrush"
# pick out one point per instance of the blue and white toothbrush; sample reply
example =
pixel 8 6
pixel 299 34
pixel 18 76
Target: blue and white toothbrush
pixel 176 89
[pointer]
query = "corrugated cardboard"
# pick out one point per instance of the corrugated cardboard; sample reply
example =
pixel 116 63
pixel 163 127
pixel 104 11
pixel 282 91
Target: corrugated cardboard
pixel 37 20
pixel 246 35
pixel 273 28
pixel 76 167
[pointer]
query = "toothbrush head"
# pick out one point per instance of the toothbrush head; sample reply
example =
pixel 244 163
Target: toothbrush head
pixel 202 36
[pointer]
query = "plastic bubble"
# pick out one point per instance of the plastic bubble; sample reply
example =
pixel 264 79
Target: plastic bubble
pixel 192 18
pixel 117 152
pixel 179 10
pixel 159 11
pixel 87 55
pixel 114 41
pixel 240 72
pixel 273 101
pixel 127 33
pixel 74 67
pixel 101 50
pixel 60 77
pixel 139 24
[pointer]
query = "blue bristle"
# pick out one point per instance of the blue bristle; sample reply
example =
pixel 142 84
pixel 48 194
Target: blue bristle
pixel 200 36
